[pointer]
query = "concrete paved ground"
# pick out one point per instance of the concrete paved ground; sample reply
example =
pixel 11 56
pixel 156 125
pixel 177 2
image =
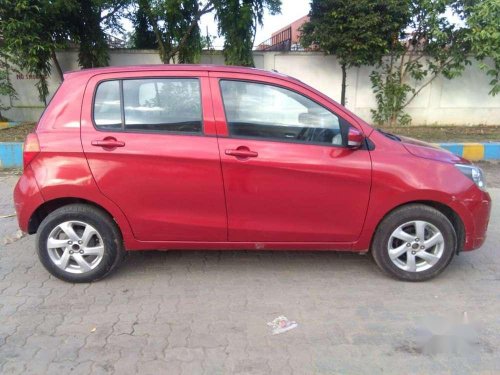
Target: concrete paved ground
pixel 207 312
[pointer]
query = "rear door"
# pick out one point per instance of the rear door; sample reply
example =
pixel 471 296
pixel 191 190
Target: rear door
pixel 151 146
pixel 288 174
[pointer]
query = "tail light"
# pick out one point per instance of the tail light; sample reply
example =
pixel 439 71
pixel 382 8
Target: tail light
pixel 31 149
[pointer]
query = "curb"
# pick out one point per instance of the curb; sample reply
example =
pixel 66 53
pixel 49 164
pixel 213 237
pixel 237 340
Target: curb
pixel 9 124
pixel 11 153
pixel 474 151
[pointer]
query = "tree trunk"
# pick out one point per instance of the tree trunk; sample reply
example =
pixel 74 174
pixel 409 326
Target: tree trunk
pixel 393 120
pixel 164 57
pixel 344 79
pixel 56 64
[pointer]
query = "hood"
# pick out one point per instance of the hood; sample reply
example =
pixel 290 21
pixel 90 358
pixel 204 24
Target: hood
pixel 430 151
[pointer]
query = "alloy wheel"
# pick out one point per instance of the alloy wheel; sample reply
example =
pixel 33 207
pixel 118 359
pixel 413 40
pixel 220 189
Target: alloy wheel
pixel 416 246
pixel 75 247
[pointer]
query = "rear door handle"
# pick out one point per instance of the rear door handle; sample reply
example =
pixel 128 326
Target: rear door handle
pixel 108 142
pixel 242 153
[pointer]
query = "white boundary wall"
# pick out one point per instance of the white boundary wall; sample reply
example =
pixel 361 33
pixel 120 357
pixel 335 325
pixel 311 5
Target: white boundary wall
pixel 461 101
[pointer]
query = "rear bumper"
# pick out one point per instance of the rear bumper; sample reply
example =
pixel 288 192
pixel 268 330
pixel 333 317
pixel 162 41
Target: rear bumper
pixel 27 198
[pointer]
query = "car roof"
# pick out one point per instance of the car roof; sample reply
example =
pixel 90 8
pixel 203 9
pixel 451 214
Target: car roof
pixel 176 67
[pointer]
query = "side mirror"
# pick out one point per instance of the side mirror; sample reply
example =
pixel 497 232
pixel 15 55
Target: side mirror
pixel 354 138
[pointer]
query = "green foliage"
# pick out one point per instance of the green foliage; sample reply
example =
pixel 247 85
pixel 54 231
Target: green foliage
pixel 484 38
pixel 143 36
pixel 32 31
pixel 6 88
pixel 390 95
pixel 237 22
pixel 175 26
pixel 87 32
pixel 434 46
pixel 358 32
pixel 189 50
pixel 207 42
pixel 363 32
pixel 87 23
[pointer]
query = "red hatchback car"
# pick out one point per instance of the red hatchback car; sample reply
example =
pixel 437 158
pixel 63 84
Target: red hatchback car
pixel 214 157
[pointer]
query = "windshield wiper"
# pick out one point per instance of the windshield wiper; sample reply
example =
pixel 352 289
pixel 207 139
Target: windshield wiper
pixel 389 135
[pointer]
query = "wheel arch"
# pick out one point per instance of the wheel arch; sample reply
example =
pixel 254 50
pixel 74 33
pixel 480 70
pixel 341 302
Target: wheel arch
pixel 47 207
pixel 446 210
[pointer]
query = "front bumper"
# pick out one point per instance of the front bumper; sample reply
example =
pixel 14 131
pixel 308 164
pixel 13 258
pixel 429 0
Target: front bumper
pixel 478 209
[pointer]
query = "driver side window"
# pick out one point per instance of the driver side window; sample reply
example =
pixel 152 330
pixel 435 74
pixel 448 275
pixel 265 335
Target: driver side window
pixel 256 110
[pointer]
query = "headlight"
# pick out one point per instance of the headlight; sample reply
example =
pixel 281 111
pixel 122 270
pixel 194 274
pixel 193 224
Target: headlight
pixel 474 173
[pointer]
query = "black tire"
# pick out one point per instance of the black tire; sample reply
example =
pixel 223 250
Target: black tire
pixel 100 221
pixel 400 216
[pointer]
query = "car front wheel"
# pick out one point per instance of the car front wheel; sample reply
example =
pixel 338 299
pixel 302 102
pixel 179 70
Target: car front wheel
pixel 79 243
pixel 414 243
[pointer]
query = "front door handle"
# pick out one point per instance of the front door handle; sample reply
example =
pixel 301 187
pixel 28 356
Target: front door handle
pixel 241 152
pixel 108 143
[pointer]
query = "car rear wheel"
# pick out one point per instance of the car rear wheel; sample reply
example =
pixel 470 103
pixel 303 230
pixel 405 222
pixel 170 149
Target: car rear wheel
pixel 414 243
pixel 79 243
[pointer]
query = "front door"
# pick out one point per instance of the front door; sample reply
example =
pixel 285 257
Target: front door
pixel 288 174
pixel 149 147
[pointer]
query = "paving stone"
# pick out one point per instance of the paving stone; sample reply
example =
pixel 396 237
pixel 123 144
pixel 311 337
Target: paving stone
pixel 207 312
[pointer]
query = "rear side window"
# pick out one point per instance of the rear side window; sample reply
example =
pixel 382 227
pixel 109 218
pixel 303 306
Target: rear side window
pixel 149 105
pixel 257 110
pixel 107 112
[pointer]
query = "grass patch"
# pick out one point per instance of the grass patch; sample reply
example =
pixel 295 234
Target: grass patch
pixel 452 133
pixel 16 133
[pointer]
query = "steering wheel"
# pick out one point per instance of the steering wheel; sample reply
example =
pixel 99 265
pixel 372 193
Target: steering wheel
pixel 318 135
pixel 302 135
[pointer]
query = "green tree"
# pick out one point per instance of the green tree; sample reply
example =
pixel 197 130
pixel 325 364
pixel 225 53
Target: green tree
pixel 143 36
pixel 357 32
pixel 484 37
pixel 87 32
pixel 32 31
pixel 237 22
pixel 175 24
pixel 88 23
pixel 6 88
pixel 433 46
